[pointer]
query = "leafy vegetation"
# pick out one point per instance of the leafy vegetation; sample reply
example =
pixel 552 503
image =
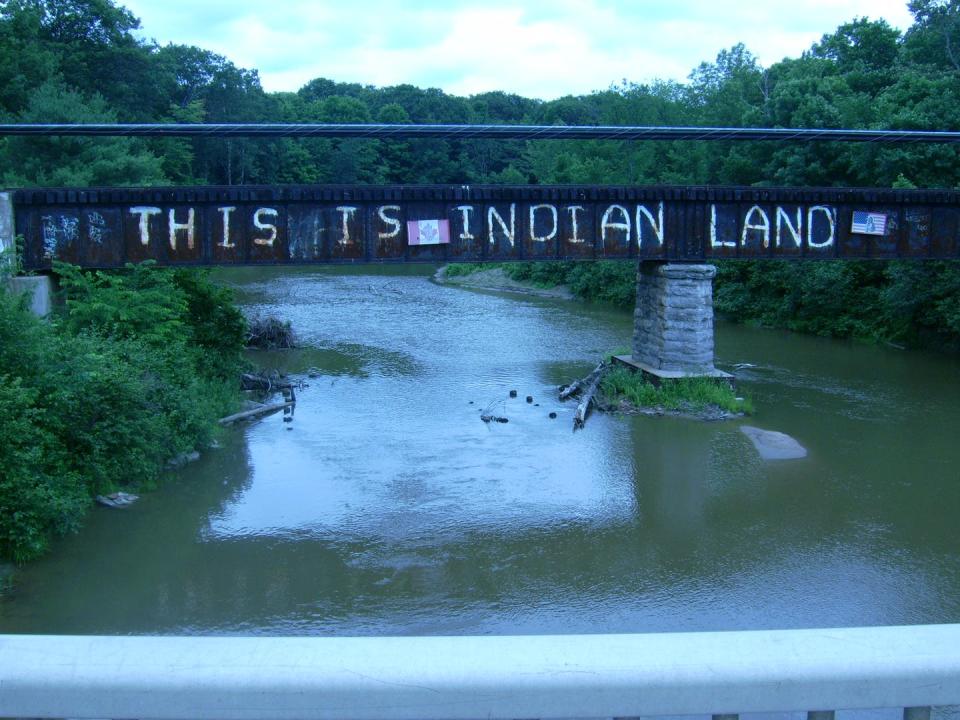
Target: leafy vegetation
pixel 134 372
pixel 691 395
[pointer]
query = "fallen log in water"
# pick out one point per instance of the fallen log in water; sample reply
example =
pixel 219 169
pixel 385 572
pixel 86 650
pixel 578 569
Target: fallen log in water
pixel 267 382
pixel 577 385
pixel 256 412
pixel 580 416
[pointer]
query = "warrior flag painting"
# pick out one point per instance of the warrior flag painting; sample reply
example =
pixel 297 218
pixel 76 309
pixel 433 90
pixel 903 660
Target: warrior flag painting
pixel 428 232
pixel 868 223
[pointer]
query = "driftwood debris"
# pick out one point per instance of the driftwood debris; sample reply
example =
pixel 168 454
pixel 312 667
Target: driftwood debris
pixel 269 333
pixel 588 386
pixel 580 416
pixel 256 412
pixel 267 382
pixel 578 385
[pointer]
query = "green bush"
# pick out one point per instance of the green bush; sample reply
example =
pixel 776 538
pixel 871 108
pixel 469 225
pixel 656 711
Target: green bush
pixel 540 274
pixel 134 372
pixel 904 301
pixel 38 496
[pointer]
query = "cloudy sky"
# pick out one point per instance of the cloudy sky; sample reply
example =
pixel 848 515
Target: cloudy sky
pixel 543 48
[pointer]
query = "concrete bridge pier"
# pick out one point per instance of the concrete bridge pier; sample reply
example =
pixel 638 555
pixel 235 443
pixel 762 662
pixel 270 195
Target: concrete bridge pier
pixel 38 288
pixel 673 322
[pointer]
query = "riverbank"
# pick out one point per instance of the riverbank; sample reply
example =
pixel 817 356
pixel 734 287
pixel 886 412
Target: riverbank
pixel 899 303
pixel 481 277
pixel 132 372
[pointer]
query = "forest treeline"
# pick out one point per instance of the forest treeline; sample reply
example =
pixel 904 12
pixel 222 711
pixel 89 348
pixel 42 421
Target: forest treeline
pixel 85 61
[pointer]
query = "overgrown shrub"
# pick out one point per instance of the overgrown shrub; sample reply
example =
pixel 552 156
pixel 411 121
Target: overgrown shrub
pixel 904 301
pixel 134 372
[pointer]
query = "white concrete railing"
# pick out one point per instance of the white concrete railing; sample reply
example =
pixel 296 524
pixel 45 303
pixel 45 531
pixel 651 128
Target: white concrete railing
pixel 399 678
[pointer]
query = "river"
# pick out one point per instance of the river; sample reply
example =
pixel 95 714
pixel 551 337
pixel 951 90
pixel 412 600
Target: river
pixel 387 507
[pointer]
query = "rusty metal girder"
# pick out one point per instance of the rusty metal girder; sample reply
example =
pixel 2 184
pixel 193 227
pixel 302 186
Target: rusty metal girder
pixel 108 227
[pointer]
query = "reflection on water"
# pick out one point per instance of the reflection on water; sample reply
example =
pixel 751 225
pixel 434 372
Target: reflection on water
pixel 388 507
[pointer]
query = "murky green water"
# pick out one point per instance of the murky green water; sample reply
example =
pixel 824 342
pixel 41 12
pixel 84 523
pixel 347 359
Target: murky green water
pixel 388 507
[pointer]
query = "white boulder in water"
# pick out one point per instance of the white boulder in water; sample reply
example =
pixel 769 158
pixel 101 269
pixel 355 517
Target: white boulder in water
pixel 117 499
pixel 773 445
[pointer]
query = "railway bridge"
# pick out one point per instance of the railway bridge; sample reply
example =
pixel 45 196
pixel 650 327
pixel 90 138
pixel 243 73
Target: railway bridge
pixel 671 232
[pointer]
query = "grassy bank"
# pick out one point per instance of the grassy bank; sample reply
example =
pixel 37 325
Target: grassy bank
pixel 687 395
pixel 133 371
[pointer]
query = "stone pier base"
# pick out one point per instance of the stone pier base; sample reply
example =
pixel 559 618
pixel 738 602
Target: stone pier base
pixel 673 322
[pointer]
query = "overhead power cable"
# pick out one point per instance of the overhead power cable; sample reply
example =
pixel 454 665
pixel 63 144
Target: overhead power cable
pixel 471 132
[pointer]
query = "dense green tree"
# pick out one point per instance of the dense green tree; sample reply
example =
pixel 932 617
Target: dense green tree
pixel 74 161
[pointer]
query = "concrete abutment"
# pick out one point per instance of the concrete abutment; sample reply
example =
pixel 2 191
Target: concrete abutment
pixel 38 288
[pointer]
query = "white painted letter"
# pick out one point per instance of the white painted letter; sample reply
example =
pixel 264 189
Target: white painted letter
pixel 260 225
pixel 346 212
pixel 795 230
pixel 657 226
pixel 225 211
pixel 510 232
pixel 605 223
pixel 466 210
pixel 714 243
pixel 553 213
pixel 749 223
pixel 831 218
pixel 176 227
pixel 574 227
pixel 144 213
pixel 393 222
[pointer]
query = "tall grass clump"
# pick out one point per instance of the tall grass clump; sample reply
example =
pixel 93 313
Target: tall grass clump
pixel 681 395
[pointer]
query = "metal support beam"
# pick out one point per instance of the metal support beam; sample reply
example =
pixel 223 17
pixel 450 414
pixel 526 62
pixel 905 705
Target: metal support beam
pixel 495 132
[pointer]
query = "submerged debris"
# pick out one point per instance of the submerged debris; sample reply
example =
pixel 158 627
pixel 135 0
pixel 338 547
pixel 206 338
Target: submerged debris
pixel 182 459
pixel 773 445
pixel 269 381
pixel 117 499
pixel 270 333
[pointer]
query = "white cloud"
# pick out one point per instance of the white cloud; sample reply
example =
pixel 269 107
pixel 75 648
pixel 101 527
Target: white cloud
pixel 538 49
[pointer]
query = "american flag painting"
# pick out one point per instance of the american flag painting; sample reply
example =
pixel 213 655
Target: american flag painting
pixel 428 232
pixel 869 223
